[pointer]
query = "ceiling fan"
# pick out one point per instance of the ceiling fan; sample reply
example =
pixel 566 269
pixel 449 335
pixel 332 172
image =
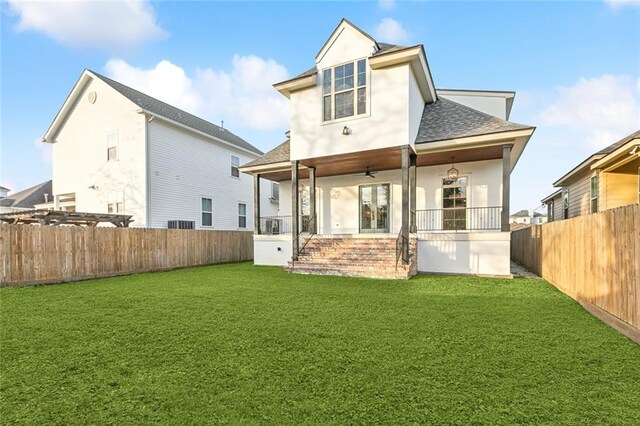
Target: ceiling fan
pixel 368 172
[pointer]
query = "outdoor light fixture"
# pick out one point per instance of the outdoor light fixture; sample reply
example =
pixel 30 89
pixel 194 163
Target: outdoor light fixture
pixel 452 173
pixel 346 131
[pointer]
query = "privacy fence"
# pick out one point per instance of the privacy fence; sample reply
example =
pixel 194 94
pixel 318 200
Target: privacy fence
pixel 46 254
pixel 595 259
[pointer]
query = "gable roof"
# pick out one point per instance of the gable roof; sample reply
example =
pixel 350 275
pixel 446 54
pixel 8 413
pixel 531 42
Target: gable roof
pixel 278 154
pixel 150 105
pixel 597 156
pixel 445 119
pixel 163 109
pixel 28 198
pixel 352 25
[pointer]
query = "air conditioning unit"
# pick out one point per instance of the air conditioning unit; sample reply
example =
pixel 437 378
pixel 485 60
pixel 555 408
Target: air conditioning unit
pixel 182 224
pixel 272 226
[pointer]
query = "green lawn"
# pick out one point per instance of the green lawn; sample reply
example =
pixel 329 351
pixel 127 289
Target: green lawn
pixel 245 344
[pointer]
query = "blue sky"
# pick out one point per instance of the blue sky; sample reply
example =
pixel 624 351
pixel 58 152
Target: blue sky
pixel 575 66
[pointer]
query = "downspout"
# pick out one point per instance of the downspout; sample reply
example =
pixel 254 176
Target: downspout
pixel 147 172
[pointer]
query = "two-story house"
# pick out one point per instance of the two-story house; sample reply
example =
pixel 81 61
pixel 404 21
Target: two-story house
pixel 117 150
pixel 607 179
pixel 384 175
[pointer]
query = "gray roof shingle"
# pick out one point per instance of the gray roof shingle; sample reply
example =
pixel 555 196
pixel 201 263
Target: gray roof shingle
pixel 170 112
pixel 28 198
pixel 277 155
pixel 445 119
pixel 616 145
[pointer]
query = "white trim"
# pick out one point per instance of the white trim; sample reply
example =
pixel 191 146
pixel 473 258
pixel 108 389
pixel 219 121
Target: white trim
pixel 472 141
pixel 611 156
pixel 198 132
pixel 417 59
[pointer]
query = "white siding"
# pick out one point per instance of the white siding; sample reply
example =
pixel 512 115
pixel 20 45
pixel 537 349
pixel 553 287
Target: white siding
pixel 80 153
pixel 185 167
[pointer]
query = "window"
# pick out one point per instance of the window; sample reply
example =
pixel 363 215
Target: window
pixel 275 192
pixel 112 146
pixel 454 204
pixel 550 208
pixel 115 208
pixel 235 166
pixel 594 194
pixel 242 215
pixel 344 90
pixel 565 204
pixel 207 212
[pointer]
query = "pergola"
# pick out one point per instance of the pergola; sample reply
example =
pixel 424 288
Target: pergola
pixel 58 217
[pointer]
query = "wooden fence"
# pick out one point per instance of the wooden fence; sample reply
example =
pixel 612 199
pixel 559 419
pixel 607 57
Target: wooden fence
pixel 595 259
pixel 46 254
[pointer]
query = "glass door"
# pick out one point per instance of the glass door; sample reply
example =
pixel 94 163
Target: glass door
pixel 374 208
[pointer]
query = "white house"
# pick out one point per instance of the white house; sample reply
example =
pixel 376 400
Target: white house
pixel 527 217
pixel 117 150
pixel 27 199
pixel 384 174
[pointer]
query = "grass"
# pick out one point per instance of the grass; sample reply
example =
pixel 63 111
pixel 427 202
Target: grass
pixel 245 344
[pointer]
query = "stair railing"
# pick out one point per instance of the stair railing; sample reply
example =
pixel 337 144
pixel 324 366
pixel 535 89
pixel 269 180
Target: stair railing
pixel 312 217
pixel 399 244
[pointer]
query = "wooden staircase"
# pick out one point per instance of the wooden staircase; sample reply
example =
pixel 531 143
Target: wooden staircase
pixel 372 257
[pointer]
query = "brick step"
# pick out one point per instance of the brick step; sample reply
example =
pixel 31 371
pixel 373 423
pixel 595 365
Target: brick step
pixel 349 260
pixel 402 274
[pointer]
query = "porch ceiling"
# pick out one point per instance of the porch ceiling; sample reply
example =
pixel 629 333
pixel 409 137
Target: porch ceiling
pixel 380 160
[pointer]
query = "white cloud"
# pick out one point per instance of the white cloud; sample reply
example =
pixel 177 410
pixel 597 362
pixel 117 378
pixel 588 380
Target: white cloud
pixel 391 31
pixel 386 4
pixel 599 110
pixel 243 97
pixel 621 3
pixel 117 25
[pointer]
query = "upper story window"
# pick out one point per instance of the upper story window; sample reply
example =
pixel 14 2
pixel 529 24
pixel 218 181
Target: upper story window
pixel 112 146
pixel 550 208
pixel 235 166
pixel 565 204
pixel 344 90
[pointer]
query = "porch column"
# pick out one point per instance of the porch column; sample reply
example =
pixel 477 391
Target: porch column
pixel 506 187
pixel 405 204
pixel 412 192
pixel 313 229
pixel 294 210
pixel 256 204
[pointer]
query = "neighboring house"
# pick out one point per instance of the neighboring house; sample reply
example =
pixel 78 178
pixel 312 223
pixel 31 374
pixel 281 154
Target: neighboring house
pixel 386 169
pixel 527 217
pixel 607 179
pixel 27 199
pixel 117 150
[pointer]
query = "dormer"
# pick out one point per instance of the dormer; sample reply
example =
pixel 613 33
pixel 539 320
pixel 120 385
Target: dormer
pixel 360 95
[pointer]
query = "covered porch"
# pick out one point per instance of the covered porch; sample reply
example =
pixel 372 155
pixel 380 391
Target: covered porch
pixel 393 193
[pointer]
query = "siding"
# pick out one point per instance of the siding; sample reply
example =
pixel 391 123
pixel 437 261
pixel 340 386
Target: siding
pixel 579 196
pixel 80 153
pixel 184 167
pixel 618 189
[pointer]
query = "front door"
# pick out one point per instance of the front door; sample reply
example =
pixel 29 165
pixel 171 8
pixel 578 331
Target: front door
pixel 374 208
